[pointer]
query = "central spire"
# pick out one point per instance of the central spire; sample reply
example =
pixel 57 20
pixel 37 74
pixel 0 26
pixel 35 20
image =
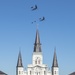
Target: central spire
pixel 37 45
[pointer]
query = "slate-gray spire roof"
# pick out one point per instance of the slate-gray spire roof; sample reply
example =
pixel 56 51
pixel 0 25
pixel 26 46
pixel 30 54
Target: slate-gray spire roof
pixel 37 45
pixel 55 63
pixel 72 73
pixel 19 62
pixel 2 73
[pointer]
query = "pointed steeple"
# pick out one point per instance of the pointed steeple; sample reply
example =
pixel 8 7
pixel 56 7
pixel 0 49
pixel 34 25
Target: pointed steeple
pixel 55 63
pixel 37 45
pixel 19 62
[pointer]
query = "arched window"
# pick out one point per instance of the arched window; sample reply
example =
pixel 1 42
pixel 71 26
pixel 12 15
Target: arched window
pixel 39 61
pixel 30 72
pixel 55 72
pixel 37 73
pixel 44 72
pixel 19 72
pixel 35 61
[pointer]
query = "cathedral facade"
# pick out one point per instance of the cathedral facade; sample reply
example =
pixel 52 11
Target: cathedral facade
pixel 37 67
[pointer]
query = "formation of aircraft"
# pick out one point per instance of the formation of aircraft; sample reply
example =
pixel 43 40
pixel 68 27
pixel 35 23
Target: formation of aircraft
pixel 34 7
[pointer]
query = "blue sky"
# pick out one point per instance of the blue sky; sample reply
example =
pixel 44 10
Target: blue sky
pixel 58 30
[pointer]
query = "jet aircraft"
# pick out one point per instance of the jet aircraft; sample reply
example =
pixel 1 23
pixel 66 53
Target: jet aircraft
pixel 42 19
pixel 34 7
pixel 33 22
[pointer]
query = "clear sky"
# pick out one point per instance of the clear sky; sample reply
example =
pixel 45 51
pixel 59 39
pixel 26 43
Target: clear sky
pixel 58 30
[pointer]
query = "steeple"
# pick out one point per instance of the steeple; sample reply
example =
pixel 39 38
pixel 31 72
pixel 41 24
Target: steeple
pixel 19 62
pixel 37 45
pixel 55 63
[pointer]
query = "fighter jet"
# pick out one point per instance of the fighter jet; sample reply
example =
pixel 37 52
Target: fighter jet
pixel 42 19
pixel 34 7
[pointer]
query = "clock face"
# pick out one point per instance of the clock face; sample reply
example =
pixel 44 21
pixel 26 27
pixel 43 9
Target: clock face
pixel 37 70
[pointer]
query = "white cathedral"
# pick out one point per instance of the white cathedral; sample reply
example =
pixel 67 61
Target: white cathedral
pixel 37 67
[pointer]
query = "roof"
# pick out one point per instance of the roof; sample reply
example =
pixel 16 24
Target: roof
pixel 55 63
pixel 73 73
pixel 2 73
pixel 19 62
pixel 37 44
